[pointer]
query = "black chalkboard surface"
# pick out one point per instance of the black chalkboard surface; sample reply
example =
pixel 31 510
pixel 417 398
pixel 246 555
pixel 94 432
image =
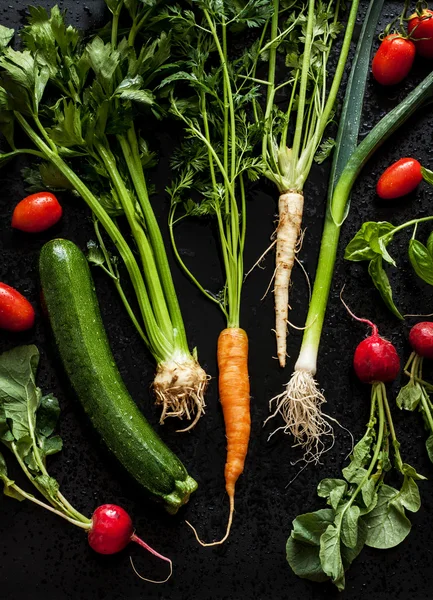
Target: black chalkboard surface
pixel 43 558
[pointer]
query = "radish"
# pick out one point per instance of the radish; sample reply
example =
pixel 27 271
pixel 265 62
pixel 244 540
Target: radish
pixel 415 394
pixel 111 530
pixel 362 507
pixel 421 339
pixel 375 358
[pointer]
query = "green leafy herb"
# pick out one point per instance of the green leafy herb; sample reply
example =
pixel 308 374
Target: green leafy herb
pixel 27 424
pixel 216 156
pixel 363 509
pixel 371 244
pixel 84 132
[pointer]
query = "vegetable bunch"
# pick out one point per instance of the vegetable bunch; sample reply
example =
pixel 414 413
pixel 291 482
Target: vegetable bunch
pixel 27 424
pixel 214 162
pixel 76 102
pixel 363 508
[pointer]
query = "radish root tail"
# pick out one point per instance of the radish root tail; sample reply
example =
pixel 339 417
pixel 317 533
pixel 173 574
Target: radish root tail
pixel 157 581
pixel 300 406
pixel 227 533
pixel 140 542
pixel 291 206
pixel 180 388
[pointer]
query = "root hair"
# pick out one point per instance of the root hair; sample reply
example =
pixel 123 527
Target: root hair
pixel 300 406
pixel 180 389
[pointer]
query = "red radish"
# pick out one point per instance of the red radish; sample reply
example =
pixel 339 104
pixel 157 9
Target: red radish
pixel 111 531
pixel 399 179
pixel 36 213
pixel 393 60
pixel 421 30
pixel 375 359
pixel 421 339
pixel 16 313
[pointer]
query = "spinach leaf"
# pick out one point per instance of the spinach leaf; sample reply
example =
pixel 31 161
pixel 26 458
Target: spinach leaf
pixel 409 495
pixel 304 560
pixel 330 555
pixel 429 447
pixel 349 526
pixel 8 484
pixel 387 524
pixel 409 396
pixel 333 489
pixel 27 419
pixel 309 527
pixel 303 545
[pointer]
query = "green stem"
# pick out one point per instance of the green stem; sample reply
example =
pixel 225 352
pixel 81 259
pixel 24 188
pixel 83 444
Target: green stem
pixel 303 86
pixel 115 277
pixel 156 339
pixel 154 287
pixel 336 82
pixel 83 525
pixel 375 398
pixel 415 222
pixel 336 214
pixel 185 268
pixel 425 400
pixel 137 26
pixel 382 393
pixel 266 142
pixel 115 25
pixel 132 158
pixel 61 503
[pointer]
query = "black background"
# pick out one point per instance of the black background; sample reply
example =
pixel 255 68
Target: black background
pixel 42 557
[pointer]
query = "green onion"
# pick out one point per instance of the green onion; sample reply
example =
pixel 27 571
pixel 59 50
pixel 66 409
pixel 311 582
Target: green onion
pixel 302 385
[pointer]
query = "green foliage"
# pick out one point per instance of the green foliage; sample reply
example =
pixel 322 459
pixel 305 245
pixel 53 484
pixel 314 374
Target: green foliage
pixel 363 509
pixel 27 418
pixel 371 243
pixel 216 155
pixel 416 395
pixel 303 38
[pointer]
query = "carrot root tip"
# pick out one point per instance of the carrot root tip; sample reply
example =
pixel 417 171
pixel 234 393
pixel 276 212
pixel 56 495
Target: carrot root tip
pixel 300 406
pixel 227 533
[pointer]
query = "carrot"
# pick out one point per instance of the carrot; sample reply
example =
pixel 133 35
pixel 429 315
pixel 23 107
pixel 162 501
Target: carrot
pixel 290 207
pixel 234 386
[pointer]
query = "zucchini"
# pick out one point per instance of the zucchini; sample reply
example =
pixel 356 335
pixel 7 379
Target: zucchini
pixel 73 310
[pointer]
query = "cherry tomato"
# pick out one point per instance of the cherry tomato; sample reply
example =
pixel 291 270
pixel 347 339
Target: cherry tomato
pixel 393 60
pixel 424 29
pixel 36 213
pixel 16 313
pixel 399 179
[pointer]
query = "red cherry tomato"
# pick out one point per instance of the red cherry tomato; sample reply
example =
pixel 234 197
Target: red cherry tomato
pixel 393 60
pixel 399 179
pixel 36 213
pixel 16 313
pixel 422 27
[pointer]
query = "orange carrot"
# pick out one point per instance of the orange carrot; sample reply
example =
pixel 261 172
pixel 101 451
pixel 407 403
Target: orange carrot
pixel 234 386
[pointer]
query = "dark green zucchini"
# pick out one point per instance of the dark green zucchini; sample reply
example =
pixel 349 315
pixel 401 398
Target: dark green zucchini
pixel 83 345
